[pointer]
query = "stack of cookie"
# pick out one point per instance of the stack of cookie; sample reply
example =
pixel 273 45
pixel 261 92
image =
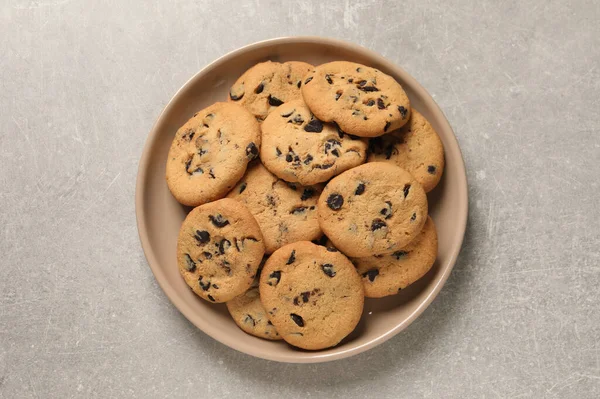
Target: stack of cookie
pixel 331 154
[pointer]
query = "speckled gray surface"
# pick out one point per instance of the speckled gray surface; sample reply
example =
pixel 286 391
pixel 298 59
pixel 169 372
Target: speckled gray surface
pixel 81 85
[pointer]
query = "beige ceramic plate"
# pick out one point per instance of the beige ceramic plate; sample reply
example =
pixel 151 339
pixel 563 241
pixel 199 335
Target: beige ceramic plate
pixel 159 215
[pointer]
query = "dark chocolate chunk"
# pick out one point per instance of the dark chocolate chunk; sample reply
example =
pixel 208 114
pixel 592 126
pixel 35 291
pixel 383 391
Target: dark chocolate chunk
pixel 403 111
pixel 378 224
pixel 211 298
pixel 358 69
pixel 362 83
pixel 189 263
pixel 259 88
pixel 289 157
pixel 308 80
pixel 315 126
pixel 328 79
pixel 368 88
pixel 243 187
pixel 370 103
pixel 359 189
pixel 216 287
pixel 218 220
pixel 298 210
pixel 431 169
pixel 299 83
pixel 204 285
pixel 387 126
pixel 324 166
pixel 202 236
pixel 332 249
pixel 380 104
pixel 308 159
pixel 224 245
pixel 252 151
pixel 274 278
pixel 406 190
pixel 307 193
pixel 338 94
pixel 305 295
pixel 292 258
pixel 226 266
pixel 234 97
pixel 399 254
pixel 328 269
pixel 335 201
pixel 330 144
pixel 335 153
pixel 413 217
pixel 277 151
pixel 207 255
pixel 371 274
pixel 350 80
pixel 292 186
pixel 297 319
pixel 274 101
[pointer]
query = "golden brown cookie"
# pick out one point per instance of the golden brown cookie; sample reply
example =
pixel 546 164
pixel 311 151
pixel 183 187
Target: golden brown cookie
pixel 285 212
pixel 314 297
pixel 219 249
pixel 415 147
pixel 267 85
pixel 384 275
pixel 373 209
pixel 297 147
pixel 209 154
pixel 361 100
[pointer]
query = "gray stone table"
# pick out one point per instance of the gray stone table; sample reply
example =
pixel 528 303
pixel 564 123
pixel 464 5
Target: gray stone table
pixel 82 82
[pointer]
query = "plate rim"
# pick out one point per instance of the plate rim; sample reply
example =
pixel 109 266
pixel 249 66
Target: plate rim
pixel 316 357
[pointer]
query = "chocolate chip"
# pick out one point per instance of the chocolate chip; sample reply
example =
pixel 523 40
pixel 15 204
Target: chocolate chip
pixel 365 117
pixel 324 166
pixel 274 278
pixel 292 186
pixel 386 127
pixel 315 126
pixel 305 296
pixel 299 83
pixel 335 201
pixel 330 144
pixel 243 187
pixel 328 79
pixel 308 159
pixel 218 220
pixel 370 103
pixel 399 254
pixel 277 151
pixel 202 236
pixel 211 174
pixel 377 224
pixel 234 97
pixel 335 152
pixel 328 269
pixel 226 266
pixel 406 189
pixel 403 111
pixel 292 258
pixel 413 217
pixel 189 262
pixel 358 69
pixel 274 101
pixel 350 80
pixel 251 151
pixel 307 193
pixel 387 210
pixel 189 134
pixel 207 255
pixel 297 319
pixel 259 88
pixel 338 94
pixel 359 189
pixel 298 210
pixel 368 88
pixel 249 319
pixel 289 158
pixel 431 169
pixel 288 113
pixel 211 298
pixel 224 245
pixel 362 83
pixel 332 249
pixel 380 104
pixel 204 286
pixel 371 274
pixel 308 80
pixel 216 287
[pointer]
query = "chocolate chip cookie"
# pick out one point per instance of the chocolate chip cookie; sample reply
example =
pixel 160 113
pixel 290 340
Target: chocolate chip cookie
pixel 210 153
pixel 219 249
pixel 373 209
pixel 250 315
pixel 384 275
pixel 267 85
pixel 285 212
pixel 297 147
pixel 415 147
pixel 314 297
pixel 361 100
